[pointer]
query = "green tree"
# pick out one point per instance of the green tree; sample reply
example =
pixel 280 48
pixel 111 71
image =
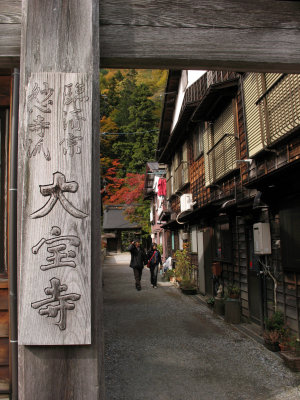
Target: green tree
pixel 129 109
pixel 135 115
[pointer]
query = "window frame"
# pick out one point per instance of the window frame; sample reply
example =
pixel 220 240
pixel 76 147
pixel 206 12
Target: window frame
pixel 222 243
pixel 198 142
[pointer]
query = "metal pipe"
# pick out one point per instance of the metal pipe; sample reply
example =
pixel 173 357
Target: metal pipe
pixel 265 298
pixel 262 301
pixel 12 238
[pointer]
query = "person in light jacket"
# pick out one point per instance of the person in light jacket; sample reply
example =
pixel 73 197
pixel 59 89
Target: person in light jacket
pixel 138 259
pixel 154 259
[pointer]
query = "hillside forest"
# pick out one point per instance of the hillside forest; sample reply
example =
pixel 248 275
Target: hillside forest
pixel 130 110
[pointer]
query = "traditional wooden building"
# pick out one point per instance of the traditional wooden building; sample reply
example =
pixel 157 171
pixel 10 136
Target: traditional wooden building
pixel 114 225
pixel 61 38
pixel 155 191
pixel 232 161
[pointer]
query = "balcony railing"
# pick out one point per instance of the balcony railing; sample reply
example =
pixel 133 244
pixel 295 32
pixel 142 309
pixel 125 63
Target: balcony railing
pixel 222 156
pixel 279 108
pixel 181 176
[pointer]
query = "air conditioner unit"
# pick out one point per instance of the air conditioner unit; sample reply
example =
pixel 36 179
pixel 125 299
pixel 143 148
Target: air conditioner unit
pixel 186 202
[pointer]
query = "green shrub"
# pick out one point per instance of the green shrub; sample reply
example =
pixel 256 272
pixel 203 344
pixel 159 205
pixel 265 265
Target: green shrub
pixel 275 322
pixel 170 272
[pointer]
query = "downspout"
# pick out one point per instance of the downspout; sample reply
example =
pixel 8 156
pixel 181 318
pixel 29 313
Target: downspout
pixel 12 238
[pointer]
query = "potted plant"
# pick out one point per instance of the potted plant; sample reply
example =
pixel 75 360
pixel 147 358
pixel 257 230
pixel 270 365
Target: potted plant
pixel 274 328
pixel 271 339
pixel 188 286
pixel 285 339
pixel 170 273
pixel 295 345
pixel 232 304
pixel 184 271
pixel 178 276
pixel 184 266
pixel 233 291
pixel 291 356
pixel 210 302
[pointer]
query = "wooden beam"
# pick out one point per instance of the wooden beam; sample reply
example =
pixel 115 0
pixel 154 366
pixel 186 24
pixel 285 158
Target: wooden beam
pixel 237 35
pixel 59 199
pixel 10 34
pixel 208 34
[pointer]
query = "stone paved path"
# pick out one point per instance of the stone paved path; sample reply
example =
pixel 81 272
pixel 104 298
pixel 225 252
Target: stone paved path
pixel 162 345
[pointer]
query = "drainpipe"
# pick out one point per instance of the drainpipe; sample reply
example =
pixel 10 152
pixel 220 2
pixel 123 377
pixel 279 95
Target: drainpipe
pixel 12 238
pixel 265 299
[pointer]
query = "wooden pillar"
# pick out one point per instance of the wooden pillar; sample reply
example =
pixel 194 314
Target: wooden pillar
pixel 60 285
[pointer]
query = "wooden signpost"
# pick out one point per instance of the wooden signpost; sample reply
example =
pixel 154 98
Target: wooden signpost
pixel 55 284
pixel 60 285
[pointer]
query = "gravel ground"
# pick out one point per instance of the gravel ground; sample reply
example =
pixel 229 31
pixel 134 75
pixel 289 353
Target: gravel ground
pixel 163 345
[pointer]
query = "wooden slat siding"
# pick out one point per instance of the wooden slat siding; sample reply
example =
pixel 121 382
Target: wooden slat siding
pixel 10 11
pixel 4 351
pixel 286 153
pixel 3 299
pixel 4 380
pixel 4 337
pixel 10 33
pixel 67 43
pixel 4 321
pixel 243 35
pixel 288 290
pixel 243 267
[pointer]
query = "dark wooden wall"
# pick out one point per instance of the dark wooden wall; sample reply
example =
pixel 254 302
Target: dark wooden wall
pixel 4 337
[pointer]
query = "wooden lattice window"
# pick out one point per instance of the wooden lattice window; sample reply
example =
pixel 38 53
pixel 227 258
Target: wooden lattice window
pixel 222 241
pixel 198 140
pixel 180 163
pixel 169 178
pixel 220 146
pixel 272 105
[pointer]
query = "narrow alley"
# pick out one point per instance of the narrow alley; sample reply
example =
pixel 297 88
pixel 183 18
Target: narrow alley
pixel 161 344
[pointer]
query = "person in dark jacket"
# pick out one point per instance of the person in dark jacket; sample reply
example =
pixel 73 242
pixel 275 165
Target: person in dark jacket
pixel 154 258
pixel 138 259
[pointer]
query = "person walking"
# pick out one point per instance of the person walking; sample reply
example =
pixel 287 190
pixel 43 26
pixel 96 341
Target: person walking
pixel 154 259
pixel 138 259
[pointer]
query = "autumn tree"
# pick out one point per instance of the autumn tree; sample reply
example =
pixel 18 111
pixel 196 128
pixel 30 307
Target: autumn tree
pixel 129 116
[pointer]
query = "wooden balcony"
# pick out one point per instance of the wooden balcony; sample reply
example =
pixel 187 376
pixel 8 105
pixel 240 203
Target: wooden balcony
pixel 221 158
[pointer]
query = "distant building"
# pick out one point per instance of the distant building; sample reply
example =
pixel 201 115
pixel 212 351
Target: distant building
pixel 117 230
pixel 156 191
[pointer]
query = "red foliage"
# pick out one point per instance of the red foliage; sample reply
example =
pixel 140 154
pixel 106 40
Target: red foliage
pixel 126 190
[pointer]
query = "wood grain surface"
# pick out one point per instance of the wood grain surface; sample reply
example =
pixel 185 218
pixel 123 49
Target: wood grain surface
pixel 61 37
pixel 56 144
pixel 232 34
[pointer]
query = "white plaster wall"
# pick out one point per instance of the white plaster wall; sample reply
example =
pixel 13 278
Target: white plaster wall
pixel 187 79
